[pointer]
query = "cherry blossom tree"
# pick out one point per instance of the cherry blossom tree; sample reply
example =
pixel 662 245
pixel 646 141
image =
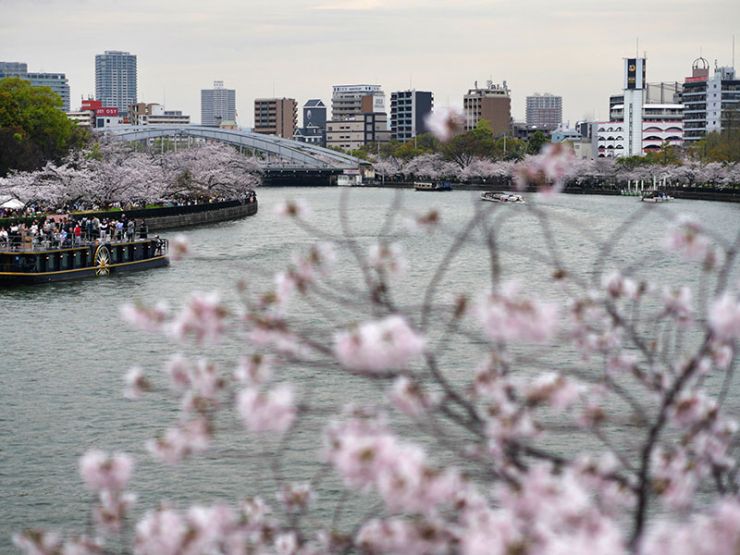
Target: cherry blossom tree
pixel 486 470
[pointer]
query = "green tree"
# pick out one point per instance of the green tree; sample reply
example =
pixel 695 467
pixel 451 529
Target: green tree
pixel 718 147
pixel 536 142
pixel 477 142
pixel 33 127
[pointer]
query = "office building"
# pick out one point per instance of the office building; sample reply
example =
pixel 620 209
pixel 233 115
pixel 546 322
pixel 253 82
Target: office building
pixel 217 105
pixel 409 110
pixel 365 129
pixel 276 116
pixel 492 103
pixel 13 69
pixel 637 127
pixel 544 111
pixel 155 114
pixel 115 80
pixel 93 113
pixel 314 123
pixel 711 100
pixel 57 82
pixel 349 101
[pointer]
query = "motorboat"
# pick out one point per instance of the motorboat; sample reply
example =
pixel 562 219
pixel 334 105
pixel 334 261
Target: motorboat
pixel 655 196
pixel 492 196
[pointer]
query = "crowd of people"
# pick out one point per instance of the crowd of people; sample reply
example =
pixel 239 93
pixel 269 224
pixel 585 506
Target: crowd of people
pixel 66 231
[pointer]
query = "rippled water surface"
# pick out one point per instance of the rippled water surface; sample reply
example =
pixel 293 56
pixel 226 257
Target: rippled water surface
pixel 64 349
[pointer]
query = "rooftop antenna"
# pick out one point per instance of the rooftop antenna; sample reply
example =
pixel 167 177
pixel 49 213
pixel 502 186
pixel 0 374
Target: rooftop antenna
pixel 733 51
pixel 637 47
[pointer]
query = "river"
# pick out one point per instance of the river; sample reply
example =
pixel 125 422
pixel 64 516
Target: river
pixel 65 350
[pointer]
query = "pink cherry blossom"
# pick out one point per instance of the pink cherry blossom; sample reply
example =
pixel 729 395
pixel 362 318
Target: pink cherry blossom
pixel 111 510
pixel 179 247
pixel 161 532
pixel 555 390
pixel 724 317
pixel 203 318
pixel 296 498
pixel 679 304
pixel 548 170
pixel 83 545
pixel 445 122
pixel 507 315
pixel 619 286
pixel 254 370
pixel 409 398
pixel 379 345
pixel 102 471
pixel 271 410
pixel 293 209
pixel 146 318
pixel 686 238
pixel 388 259
pixel 187 438
pixel 38 542
pixel 136 383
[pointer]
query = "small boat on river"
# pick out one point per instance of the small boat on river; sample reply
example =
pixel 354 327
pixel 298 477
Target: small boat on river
pixel 25 264
pixel 432 186
pixel 492 196
pixel 655 196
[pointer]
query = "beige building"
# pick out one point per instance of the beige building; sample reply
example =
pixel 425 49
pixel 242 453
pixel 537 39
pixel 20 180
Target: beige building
pixel 356 132
pixel 155 114
pixel 492 103
pixel 276 116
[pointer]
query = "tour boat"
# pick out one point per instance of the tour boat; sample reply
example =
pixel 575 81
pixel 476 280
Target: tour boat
pixel 492 196
pixel 26 264
pixel 655 196
pixel 432 186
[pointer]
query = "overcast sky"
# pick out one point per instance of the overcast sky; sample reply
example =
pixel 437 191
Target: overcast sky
pixel 300 48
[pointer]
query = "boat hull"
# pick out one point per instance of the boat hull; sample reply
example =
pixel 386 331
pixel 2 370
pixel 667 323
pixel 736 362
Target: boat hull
pixel 32 278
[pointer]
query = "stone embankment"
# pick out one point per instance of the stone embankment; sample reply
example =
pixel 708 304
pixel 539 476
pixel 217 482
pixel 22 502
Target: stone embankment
pixel 184 216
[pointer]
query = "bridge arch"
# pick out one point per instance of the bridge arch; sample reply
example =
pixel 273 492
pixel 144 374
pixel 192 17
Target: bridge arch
pixel 291 154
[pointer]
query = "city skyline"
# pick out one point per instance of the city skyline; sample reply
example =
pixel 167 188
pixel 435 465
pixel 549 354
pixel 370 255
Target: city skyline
pixel 301 48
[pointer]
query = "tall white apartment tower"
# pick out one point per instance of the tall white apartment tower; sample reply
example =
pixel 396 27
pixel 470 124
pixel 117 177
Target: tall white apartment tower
pixel 634 98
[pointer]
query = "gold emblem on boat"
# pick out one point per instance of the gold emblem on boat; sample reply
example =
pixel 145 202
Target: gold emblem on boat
pixel 102 260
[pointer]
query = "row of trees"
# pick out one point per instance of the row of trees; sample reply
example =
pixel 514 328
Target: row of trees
pixel 113 175
pixel 33 127
pixel 480 143
pixel 479 169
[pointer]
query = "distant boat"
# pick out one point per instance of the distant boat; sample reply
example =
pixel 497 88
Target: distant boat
pixel 432 186
pixel 655 196
pixel 492 196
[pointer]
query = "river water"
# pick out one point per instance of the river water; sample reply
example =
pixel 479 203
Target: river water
pixel 65 350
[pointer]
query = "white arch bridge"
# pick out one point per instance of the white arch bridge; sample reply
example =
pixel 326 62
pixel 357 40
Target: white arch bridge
pixel 281 154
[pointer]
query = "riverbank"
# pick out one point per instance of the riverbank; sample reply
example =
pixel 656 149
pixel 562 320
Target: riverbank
pixel 691 193
pixel 165 217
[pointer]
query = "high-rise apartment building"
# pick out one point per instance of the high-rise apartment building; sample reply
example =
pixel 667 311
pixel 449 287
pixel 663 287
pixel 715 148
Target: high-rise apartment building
pixel 492 103
pixel 115 79
pixel 217 105
pixel 409 110
pixel 638 126
pixel 276 116
pixel 544 110
pixel 711 100
pixel 57 82
pixel 347 100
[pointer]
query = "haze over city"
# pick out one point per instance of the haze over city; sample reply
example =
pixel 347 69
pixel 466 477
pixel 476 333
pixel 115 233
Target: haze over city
pixel 300 48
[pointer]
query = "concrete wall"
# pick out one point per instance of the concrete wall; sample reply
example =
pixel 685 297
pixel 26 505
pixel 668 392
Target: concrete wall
pixel 199 218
